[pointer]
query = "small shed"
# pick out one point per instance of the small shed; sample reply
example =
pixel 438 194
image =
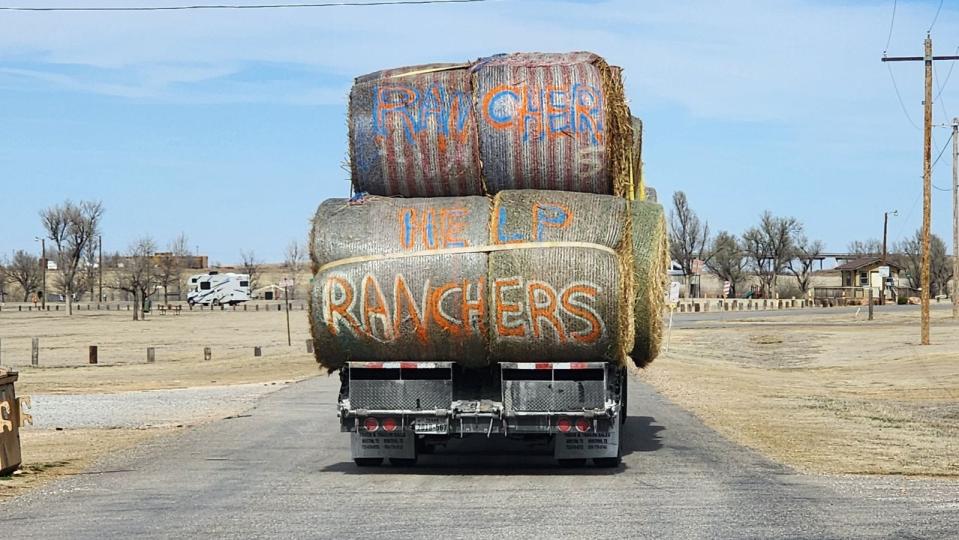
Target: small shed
pixel 864 272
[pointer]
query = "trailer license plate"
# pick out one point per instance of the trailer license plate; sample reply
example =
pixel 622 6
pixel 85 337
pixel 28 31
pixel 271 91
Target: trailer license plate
pixel 431 426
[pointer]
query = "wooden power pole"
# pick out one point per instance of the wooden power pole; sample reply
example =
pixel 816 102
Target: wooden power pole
pixel 927 59
pixel 955 218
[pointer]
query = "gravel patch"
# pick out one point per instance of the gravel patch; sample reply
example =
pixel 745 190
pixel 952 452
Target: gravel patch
pixel 143 409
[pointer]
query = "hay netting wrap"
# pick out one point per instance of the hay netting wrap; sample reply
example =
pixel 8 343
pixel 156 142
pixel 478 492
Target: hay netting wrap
pixel 539 275
pixel 514 121
pixel 559 303
pixel 388 308
pixel 412 132
pixel 650 261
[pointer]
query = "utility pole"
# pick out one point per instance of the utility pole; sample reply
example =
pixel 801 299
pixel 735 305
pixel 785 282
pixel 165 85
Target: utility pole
pixel 885 233
pixel 927 59
pixel 43 269
pixel 100 248
pixel 955 218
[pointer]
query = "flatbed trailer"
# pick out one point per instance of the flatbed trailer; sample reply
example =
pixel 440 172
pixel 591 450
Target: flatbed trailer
pixel 397 410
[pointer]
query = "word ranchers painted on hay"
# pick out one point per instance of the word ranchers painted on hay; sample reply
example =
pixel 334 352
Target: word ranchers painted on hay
pixel 472 280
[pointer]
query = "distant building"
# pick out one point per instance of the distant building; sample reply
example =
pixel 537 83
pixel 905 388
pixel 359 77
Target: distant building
pixel 864 272
pixel 191 262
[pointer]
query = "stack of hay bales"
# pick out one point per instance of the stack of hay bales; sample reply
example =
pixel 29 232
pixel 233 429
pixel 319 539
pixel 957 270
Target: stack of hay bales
pixel 494 220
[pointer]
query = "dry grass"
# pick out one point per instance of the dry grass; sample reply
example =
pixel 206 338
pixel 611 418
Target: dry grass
pixel 178 341
pixel 827 394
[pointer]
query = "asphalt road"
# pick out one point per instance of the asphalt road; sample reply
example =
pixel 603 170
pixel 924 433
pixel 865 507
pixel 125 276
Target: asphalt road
pixel 285 471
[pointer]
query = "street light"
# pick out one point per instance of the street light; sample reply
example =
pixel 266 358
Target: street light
pixel 885 231
pixel 43 269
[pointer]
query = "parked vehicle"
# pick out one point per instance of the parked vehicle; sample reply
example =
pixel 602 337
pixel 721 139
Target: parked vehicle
pixel 214 288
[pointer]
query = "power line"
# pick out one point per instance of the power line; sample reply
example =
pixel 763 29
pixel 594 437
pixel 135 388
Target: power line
pixel 241 6
pixel 899 97
pixel 936 18
pixel 944 146
pixel 891 23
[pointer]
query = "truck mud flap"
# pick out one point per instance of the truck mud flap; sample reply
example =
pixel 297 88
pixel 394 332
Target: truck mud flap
pixel 588 445
pixel 399 445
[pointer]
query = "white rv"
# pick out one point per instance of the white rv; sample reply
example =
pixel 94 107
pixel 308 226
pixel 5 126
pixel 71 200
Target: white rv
pixel 214 288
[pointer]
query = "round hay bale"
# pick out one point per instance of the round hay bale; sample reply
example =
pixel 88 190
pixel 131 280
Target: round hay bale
pixel 650 279
pixel 537 274
pixel 514 121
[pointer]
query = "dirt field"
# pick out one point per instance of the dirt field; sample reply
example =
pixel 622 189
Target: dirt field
pixel 178 341
pixel 827 393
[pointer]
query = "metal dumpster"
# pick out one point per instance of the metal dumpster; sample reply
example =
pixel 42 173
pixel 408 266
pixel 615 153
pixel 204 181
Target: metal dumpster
pixel 9 424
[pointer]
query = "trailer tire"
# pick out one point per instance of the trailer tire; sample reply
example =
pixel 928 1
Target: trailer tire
pixel 368 461
pixel 572 463
pixel 623 412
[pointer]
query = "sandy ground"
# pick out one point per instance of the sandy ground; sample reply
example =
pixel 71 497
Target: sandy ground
pixel 122 369
pixel 824 392
pixel 178 340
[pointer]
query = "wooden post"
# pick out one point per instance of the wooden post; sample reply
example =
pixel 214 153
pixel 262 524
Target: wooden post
pixel 309 345
pixel 870 303
pixel 35 352
pixel 257 351
pixel 955 218
pixel 207 353
pixel 151 355
pixel 93 354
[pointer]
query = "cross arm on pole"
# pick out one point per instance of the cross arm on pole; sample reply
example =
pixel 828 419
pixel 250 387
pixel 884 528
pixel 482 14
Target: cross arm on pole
pixel 916 58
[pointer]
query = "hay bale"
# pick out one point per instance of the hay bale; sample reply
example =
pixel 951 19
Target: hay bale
pixel 559 303
pixel 650 260
pixel 412 132
pixel 515 121
pixel 422 308
pixel 382 292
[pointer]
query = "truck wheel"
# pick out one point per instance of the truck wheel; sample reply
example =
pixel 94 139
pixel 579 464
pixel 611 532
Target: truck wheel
pixel 622 410
pixel 607 462
pixel 368 461
pixel 572 463
pixel 402 462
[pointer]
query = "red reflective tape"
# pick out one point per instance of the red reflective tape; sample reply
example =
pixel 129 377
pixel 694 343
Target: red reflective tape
pixel 578 365
pixel 408 365
pixel 373 365
pixel 544 365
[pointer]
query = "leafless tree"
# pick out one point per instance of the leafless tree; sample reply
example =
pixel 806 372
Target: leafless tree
pixel 23 270
pixel 72 228
pixel 727 260
pixel 3 280
pixel 139 275
pixel 170 266
pixel 805 254
pixel 861 248
pixel 251 267
pixel 909 256
pixel 770 247
pixel 293 263
pixel 688 236
pixel 87 279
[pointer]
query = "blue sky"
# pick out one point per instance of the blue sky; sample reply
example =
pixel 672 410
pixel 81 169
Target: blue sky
pixel 230 126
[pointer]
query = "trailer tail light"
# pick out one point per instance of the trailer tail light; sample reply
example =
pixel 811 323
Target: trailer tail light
pixel 371 424
pixel 582 425
pixel 564 425
pixel 389 425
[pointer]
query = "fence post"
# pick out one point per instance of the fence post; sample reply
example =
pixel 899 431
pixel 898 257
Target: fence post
pixel 35 352
pixel 870 303
pixel 257 351
pixel 151 355
pixel 207 353
pixel 93 354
